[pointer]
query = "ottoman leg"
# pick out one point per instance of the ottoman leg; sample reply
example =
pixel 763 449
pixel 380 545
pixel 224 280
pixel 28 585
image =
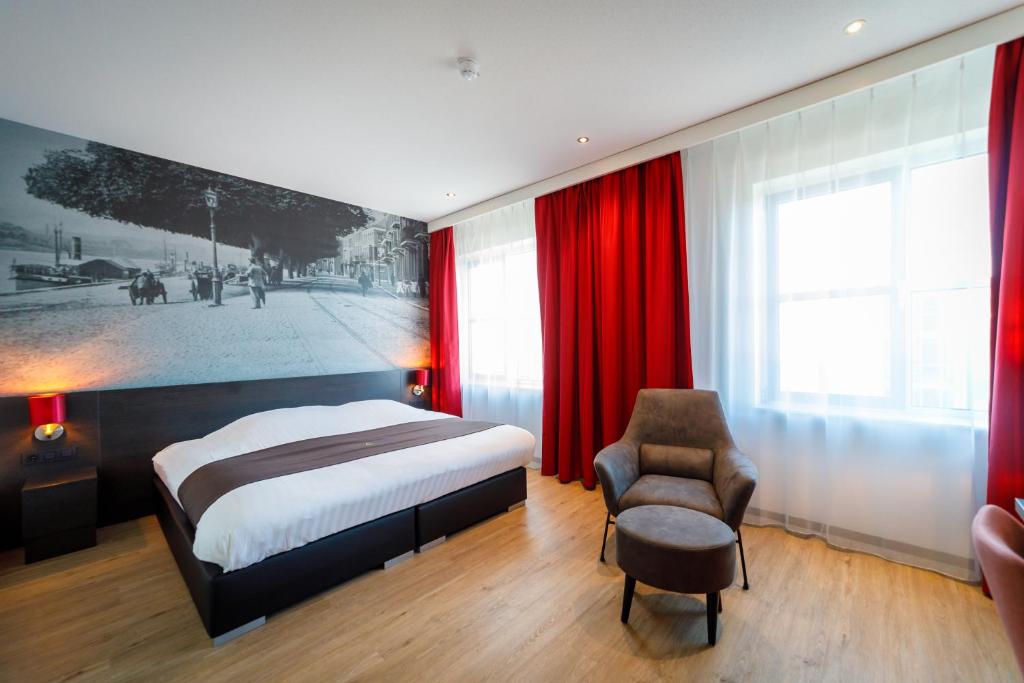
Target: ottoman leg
pixel 627 598
pixel 712 618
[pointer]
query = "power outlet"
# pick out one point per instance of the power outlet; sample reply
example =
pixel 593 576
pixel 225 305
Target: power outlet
pixel 56 455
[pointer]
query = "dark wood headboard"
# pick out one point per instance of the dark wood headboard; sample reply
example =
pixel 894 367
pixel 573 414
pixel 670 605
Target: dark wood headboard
pixel 119 431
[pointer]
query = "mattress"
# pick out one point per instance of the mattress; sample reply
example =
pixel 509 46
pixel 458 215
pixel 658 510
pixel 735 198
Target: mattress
pixel 264 518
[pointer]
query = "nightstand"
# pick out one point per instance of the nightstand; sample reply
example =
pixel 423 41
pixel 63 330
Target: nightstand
pixel 58 513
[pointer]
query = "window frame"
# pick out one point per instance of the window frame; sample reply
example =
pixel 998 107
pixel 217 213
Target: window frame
pixel 487 257
pixel 894 176
pixel 899 403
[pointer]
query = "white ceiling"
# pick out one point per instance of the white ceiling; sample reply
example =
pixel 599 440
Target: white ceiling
pixel 362 102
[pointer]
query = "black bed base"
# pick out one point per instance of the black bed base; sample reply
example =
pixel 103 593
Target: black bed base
pixel 465 507
pixel 229 602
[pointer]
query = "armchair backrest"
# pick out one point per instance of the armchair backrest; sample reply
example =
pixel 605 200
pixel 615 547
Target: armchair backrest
pixel 679 417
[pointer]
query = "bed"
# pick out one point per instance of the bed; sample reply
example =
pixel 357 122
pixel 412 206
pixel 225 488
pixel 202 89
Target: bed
pixel 376 481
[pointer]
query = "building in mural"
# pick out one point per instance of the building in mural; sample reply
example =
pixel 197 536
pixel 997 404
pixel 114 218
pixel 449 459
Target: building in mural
pixel 392 251
pixel 94 239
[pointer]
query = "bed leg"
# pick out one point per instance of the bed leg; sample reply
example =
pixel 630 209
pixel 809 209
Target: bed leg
pixel 432 544
pixel 398 560
pixel 514 506
pixel 239 631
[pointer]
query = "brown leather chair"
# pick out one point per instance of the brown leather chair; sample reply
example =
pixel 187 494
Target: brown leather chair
pixel 999 543
pixel 677 450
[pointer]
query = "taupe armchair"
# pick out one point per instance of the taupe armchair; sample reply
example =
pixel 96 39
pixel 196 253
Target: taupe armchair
pixel 677 450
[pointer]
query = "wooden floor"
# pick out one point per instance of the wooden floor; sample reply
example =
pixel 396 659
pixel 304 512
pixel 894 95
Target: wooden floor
pixel 520 597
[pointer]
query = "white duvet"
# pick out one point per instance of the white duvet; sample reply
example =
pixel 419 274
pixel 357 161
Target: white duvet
pixel 268 517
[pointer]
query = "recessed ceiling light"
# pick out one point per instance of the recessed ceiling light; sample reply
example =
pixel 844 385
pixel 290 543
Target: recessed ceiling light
pixel 583 139
pixel 854 27
pixel 449 195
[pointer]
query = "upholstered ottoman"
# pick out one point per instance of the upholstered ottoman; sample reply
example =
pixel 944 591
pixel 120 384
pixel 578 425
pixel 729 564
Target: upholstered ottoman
pixel 675 549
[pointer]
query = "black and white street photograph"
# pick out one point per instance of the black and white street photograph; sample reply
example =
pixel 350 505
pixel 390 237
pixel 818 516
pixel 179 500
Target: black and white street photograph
pixel 119 269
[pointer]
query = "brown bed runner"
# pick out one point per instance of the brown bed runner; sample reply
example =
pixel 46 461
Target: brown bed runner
pixel 203 487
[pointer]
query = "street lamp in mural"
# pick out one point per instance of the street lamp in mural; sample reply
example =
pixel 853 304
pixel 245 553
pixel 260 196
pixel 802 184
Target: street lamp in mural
pixel 211 203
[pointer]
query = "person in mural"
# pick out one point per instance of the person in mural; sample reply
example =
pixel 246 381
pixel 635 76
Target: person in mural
pixel 257 283
pixel 365 282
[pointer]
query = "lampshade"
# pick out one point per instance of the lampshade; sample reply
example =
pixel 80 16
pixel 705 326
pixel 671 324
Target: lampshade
pixel 421 377
pixel 46 409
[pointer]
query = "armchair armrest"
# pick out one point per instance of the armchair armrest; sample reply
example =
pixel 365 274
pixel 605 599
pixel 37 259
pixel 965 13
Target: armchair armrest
pixel 618 468
pixel 735 477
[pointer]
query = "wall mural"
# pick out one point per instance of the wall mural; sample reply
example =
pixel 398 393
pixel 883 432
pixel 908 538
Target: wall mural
pixel 119 269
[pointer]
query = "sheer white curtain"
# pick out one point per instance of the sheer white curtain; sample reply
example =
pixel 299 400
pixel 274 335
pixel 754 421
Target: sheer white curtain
pixel 499 318
pixel 839 271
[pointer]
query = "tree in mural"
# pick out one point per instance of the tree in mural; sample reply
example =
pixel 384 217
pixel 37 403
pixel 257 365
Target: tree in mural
pixel 138 189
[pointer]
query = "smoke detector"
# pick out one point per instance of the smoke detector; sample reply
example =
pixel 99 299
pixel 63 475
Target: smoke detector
pixel 469 68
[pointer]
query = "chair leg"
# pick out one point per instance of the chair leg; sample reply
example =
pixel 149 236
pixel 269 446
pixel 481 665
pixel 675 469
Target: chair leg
pixel 712 618
pixel 604 541
pixel 627 598
pixel 743 561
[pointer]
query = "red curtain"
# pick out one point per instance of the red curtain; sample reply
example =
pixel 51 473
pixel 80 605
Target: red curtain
pixel 445 387
pixel 611 262
pixel 1006 200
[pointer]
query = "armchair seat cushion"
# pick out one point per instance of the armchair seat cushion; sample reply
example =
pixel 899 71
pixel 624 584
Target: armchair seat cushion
pixel 658 489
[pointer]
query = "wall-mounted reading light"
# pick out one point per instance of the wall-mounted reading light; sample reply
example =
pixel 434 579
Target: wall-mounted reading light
pixel 46 412
pixel 420 380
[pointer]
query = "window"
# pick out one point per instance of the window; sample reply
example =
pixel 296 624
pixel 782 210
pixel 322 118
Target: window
pixel 503 321
pixel 877 289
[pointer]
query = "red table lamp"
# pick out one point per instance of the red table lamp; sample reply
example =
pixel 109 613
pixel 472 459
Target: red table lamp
pixel 46 412
pixel 420 379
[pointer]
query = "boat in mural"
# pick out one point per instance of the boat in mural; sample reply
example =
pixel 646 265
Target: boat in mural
pixel 54 275
pixel 58 274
